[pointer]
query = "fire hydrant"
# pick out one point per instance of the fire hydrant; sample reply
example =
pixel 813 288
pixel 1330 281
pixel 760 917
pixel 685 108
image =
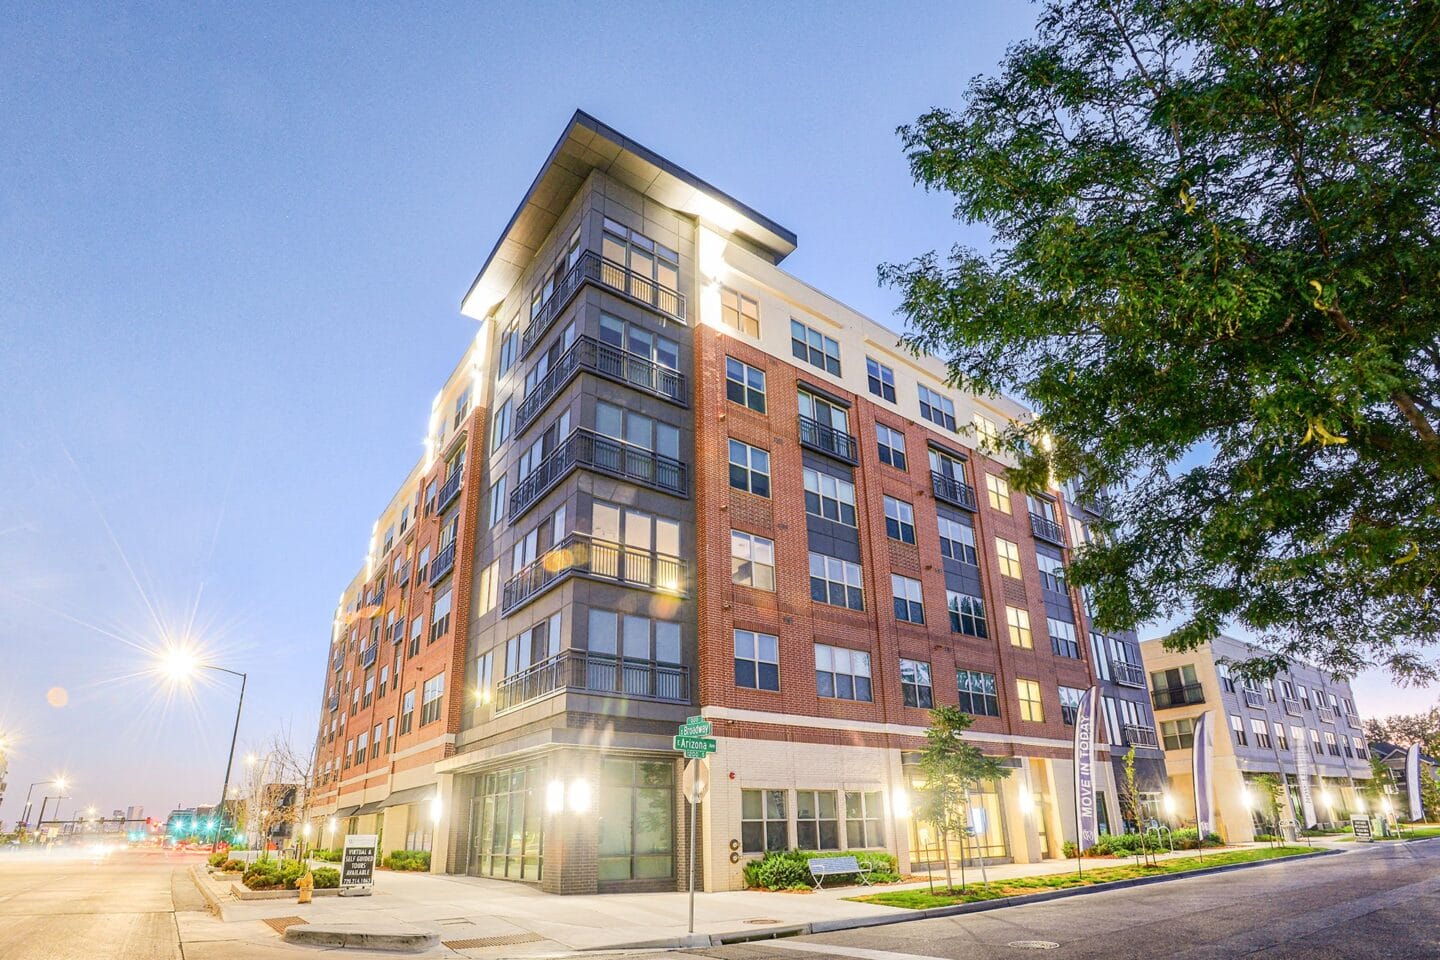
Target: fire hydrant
pixel 305 884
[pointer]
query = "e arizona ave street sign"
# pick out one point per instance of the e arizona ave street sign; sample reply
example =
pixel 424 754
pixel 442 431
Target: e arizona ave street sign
pixel 693 739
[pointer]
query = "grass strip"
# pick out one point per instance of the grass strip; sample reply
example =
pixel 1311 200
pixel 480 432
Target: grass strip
pixel 1094 876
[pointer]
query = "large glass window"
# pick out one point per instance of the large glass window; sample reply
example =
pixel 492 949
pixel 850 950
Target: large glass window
pixel 978 696
pixel 757 660
pixel 637 820
pixel 915 686
pixel 763 821
pixel 637 429
pixel 842 673
pixel 967 614
pixel 899 520
pixel 957 541
pixel 509 834
pixel 814 348
pixel 880 379
pixel 650 260
pixel 1178 734
pixel 829 497
pixel 817 821
pixel 636 340
pixel 864 819
pixel 905 592
pixel 836 582
pixel 744 385
pixel 749 468
pixel 938 409
pixel 739 312
pixel 752 560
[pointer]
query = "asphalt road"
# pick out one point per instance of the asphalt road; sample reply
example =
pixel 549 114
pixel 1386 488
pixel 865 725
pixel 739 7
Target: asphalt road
pixel 1377 902
pixel 71 906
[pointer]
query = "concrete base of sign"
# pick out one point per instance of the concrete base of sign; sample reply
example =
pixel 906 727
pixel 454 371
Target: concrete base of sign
pixel 356 891
pixel 395 936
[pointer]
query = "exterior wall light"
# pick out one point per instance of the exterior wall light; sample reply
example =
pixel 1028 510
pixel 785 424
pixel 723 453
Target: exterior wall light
pixel 579 796
pixel 555 796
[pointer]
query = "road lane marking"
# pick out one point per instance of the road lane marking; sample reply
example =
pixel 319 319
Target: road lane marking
pixel 838 951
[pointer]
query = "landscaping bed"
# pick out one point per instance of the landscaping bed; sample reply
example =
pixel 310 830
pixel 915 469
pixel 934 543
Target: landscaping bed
pixel 789 870
pixel 1093 876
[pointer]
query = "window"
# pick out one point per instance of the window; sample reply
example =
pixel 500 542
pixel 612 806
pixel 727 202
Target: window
pixel 864 820
pixel 967 613
pixel 376 739
pixel 836 582
pixel 369 696
pixel 891 445
pixel 361 743
pixel 763 823
pixel 978 696
pixel 500 425
pixel 509 348
pixel 939 410
pixel 985 431
pixel 1331 747
pixel 1069 704
pixel 1052 572
pixel 417 629
pixel 757 660
pixel 817 824
pixel 440 616
pixel 1030 706
pixel 1237 726
pixel 881 379
pixel 637 430
pixel 915 684
pixel 489 588
pixel 998 491
pixel 739 312
pixel 1261 731
pixel 639 342
pixel 749 468
pixel 497 502
pixel 1314 743
pixel 407 711
pixel 1227 682
pixel 752 560
pixel 638 638
pixel 842 673
pixel 909 605
pixel 956 540
pixel 1345 745
pixel 1178 734
pixel 814 348
pixel 1304 695
pixel 1009 554
pixel 542 641
pixel 830 497
pixel 1062 638
pixel 1280 740
pixel 1019 623
pixel 485 676
pixel 1360 750
pixel 744 385
pixel 899 520
pixel 384 680
pixel 433 694
pixel 652 261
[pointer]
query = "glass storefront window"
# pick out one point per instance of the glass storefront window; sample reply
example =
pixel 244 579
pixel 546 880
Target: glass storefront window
pixel 637 820
pixel 507 823
pixel 986 817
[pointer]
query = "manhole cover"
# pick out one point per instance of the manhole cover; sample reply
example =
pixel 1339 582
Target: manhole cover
pixel 1033 944
pixel 278 924
pixel 760 921
pixel 477 942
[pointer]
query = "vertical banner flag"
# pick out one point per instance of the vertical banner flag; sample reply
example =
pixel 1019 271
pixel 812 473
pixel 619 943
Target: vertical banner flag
pixel 1200 771
pixel 1412 781
pixel 1304 766
pixel 1087 821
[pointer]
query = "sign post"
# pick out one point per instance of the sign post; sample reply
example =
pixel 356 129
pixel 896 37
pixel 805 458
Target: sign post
pixel 357 865
pixel 694 741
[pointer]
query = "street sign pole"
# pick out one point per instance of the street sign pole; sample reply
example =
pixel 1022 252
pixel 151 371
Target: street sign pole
pixel 694 807
pixel 693 740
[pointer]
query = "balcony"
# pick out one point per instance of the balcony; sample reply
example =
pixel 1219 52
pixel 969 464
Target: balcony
pixel 334 702
pixel 376 598
pixel 822 439
pixel 1292 706
pixel 367 656
pixel 1254 698
pixel 1166 697
pixel 397 632
pixel 443 563
pixel 402 576
pixel 1128 674
pixel 604 360
pixel 1047 529
pixel 1353 721
pixel 581 555
pixel 592 268
pixel 594 673
pixel 953 491
pixel 588 449
pixel 1137 735
pixel 1326 714
pixel 449 491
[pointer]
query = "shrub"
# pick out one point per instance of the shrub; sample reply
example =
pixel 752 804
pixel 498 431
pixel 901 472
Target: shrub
pixel 218 858
pixel 273 874
pixel 1128 844
pixel 233 866
pixel 329 856
pixel 790 869
pixel 408 860
pixel 326 878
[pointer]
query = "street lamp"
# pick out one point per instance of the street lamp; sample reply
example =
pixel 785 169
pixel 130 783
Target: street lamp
pixel 181 665
pixel 25 817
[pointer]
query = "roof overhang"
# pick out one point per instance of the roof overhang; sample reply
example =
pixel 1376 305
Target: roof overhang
pixel 588 145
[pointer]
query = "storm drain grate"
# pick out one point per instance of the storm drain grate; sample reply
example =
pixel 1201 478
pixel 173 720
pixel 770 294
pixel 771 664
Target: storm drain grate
pixel 477 942
pixel 1033 944
pixel 760 921
pixel 278 924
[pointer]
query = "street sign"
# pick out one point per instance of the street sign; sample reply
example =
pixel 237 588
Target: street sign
pixel 695 781
pixel 1361 826
pixel 695 727
pixel 700 745
pixel 357 865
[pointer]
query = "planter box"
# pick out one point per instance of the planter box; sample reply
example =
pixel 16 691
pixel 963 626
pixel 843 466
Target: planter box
pixel 243 892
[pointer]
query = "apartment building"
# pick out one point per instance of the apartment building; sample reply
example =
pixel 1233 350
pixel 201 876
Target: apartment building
pixel 669 478
pixel 1256 729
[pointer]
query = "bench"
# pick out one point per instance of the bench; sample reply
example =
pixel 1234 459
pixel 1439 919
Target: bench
pixel 822 867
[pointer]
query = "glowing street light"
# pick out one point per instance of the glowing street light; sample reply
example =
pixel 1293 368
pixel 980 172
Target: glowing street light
pixel 59 782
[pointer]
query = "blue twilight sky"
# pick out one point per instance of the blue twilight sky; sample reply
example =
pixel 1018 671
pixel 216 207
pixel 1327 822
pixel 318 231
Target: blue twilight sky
pixel 233 241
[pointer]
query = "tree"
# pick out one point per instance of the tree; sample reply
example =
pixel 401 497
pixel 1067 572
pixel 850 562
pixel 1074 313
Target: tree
pixel 1267 797
pixel 1405 729
pixel 1215 277
pixel 953 768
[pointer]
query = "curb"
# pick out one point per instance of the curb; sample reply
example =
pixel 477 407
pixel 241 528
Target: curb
pixel 211 901
pixel 321 935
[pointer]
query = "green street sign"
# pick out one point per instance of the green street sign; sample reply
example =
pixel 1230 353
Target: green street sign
pixel 692 729
pixel 695 747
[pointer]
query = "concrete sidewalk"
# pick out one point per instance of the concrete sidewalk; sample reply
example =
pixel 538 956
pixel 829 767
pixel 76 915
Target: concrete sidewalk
pixel 511 919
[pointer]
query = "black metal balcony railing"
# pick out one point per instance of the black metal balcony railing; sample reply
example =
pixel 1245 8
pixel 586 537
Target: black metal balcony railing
pixel 376 598
pixel 397 632
pixel 449 491
pixel 594 673
pixel 609 361
pixel 443 563
pixel 592 268
pixel 1292 706
pixel 581 555
pixel 1178 696
pixel 402 576
pixel 334 702
pixel 951 490
pixel 837 443
pixel 1139 735
pixel 1325 714
pixel 1047 529
pixel 1128 674
pixel 588 449
pixel 1254 698
pixel 367 656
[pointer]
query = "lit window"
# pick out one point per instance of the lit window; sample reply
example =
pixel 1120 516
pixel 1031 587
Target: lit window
pixel 739 312
pixel 1009 554
pixel 986 431
pixel 999 492
pixel 1030 706
pixel 1018 622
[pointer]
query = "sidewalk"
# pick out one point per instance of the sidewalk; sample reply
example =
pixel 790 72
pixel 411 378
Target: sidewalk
pixel 512 919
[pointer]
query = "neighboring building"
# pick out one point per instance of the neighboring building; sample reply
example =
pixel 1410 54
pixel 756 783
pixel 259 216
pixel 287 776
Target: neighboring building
pixel 668 478
pixel 1393 757
pixel 1255 730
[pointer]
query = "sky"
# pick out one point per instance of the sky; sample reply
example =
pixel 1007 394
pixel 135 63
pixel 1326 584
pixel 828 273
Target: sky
pixel 233 243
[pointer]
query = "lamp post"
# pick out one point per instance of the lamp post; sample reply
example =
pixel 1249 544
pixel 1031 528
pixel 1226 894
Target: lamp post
pixel 25 817
pixel 40 820
pixel 181 665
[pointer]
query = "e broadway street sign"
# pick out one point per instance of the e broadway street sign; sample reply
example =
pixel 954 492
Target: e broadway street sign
pixel 693 738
